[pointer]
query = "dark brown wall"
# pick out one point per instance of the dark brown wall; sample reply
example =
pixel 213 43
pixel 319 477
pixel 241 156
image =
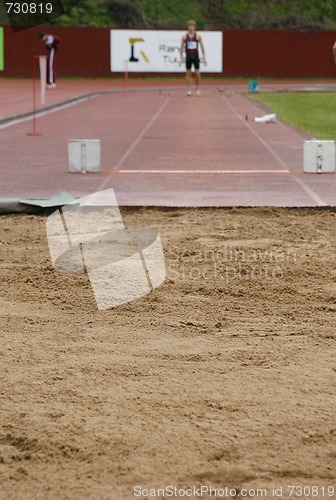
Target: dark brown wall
pixel 85 52
pixel 279 54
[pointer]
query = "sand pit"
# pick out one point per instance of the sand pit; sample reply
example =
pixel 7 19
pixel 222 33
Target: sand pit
pixel 223 376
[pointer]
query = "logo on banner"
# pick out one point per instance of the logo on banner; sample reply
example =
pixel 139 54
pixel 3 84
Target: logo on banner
pixel 132 42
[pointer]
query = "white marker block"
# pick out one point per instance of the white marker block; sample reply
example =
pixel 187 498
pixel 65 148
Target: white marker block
pixel 319 157
pixel 84 155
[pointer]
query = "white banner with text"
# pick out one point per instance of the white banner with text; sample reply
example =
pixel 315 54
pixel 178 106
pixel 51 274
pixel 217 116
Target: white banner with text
pixel 145 51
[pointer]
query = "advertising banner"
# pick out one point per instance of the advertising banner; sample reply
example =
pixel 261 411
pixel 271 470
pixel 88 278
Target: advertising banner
pixel 146 51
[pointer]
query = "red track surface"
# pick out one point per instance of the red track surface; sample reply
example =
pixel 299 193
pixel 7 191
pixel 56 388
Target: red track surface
pixel 160 149
pixel 16 95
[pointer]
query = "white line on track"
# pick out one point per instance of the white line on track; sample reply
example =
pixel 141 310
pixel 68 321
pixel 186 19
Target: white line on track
pixel 255 133
pixel 311 193
pixel 203 172
pixel 14 99
pixel 135 143
pixel 40 114
pixel 301 183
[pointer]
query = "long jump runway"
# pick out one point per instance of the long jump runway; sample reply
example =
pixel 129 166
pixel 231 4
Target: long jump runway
pixel 163 148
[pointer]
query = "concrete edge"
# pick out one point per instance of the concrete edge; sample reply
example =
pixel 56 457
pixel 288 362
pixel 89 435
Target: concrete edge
pixel 12 206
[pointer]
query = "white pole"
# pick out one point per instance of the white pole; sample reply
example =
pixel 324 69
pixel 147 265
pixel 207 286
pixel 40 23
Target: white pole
pixel 43 78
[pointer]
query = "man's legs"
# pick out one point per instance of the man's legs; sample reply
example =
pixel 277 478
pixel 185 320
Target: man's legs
pixel 48 70
pixel 198 81
pixel 51 69
pixel 189 80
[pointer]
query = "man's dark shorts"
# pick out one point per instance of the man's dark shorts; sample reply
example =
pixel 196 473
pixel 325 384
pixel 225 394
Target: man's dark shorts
pixel 193 62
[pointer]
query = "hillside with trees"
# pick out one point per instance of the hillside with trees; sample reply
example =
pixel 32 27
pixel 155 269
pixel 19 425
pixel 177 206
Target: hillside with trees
pixel 243 14
pixel 240 14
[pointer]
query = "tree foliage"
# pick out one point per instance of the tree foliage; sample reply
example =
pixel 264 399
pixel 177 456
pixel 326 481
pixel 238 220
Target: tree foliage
pixel 246 14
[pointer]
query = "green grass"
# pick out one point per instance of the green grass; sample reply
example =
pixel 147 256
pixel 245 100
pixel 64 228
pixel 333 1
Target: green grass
pixel 313 113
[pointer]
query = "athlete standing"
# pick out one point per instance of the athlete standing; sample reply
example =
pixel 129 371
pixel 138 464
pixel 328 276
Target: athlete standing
pixel 51 42
pixel 190 45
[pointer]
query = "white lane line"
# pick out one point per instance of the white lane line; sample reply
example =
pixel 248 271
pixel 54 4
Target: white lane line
pixel 255 133
pixel 134 144
pixel 141 135
pixel 203 172
pixel 311 193
pixel 40 114
pixel 14 99
pixel 301 183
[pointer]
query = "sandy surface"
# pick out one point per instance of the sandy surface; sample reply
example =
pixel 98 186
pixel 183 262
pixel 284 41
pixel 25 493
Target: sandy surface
pixel 224 376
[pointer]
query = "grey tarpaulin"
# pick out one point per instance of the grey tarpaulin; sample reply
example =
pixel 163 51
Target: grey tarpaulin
pixel 35 205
